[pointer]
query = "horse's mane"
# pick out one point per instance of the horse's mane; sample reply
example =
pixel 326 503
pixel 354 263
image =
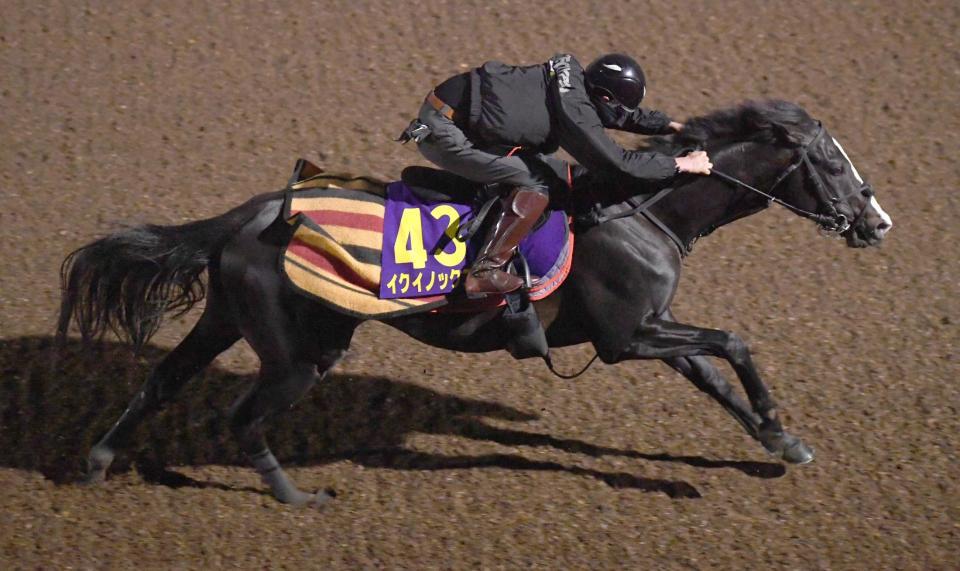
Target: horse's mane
pixel 762 121
pixel 749 121
pixel 767 120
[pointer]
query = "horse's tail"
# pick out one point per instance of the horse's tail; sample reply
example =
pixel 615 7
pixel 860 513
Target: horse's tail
pixel 127 281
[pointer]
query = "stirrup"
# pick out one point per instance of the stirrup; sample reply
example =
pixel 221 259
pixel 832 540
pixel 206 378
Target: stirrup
pixel 490 276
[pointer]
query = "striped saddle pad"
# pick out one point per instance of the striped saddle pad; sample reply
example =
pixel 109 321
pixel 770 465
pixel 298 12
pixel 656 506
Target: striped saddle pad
pixel 337 253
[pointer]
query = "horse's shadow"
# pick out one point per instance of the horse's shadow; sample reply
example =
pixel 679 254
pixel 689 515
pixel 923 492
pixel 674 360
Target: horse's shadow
pixel 52 412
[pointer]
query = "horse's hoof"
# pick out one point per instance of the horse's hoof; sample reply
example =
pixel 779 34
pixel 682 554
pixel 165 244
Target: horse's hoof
pixel 97 463
pixel 300 499
pixel 320 499
pixel 92 478
pixel 798 453
pixel 787 447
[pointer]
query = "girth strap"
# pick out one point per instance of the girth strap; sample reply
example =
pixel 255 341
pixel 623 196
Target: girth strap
pixel 637 208
pixel 596 216
pixel 684 249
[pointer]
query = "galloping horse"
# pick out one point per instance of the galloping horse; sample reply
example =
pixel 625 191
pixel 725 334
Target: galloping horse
pixel 624 275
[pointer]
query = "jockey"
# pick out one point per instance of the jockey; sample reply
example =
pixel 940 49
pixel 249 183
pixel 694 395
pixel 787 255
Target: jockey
pixel 473 123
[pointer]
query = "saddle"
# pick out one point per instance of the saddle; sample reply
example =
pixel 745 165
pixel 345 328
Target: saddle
pixel 443 186
pixel 377 249
pixel 434 185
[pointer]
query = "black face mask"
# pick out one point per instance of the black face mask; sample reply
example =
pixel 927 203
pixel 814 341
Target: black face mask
pixel 611 113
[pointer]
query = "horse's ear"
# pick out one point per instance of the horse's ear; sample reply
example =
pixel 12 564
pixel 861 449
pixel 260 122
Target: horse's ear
pixel 755 121
pixel 785 135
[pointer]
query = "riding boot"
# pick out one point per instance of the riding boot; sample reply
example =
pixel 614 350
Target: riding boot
pixel 519 213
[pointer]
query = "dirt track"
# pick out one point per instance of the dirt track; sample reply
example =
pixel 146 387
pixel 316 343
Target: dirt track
pixel 167 112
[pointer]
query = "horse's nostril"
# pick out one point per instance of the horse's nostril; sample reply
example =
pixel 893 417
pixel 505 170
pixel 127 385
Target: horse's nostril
pixel 883 227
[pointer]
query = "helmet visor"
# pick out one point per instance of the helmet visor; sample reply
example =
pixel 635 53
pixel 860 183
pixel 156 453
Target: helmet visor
pixel 628 103
pixel 629 94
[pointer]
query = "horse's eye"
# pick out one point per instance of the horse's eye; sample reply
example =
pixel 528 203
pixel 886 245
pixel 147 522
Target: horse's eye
pixel 834 168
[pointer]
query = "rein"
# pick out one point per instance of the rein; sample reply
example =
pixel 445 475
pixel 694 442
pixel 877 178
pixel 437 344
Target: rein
pixel 819 218
pixel 834 221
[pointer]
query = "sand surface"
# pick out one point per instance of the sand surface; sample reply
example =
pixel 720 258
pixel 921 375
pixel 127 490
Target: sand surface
pixel 172 111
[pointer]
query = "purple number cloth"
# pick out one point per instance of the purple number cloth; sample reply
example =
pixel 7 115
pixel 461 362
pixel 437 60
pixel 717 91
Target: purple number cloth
pixel 402 279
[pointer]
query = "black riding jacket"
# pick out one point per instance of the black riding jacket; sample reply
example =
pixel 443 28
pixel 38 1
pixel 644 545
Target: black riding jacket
pixel 545 107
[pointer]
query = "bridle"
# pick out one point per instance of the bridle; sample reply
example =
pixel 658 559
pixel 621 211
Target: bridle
pixel 832 220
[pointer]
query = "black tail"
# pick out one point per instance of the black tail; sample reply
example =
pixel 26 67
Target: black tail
pixel 128 280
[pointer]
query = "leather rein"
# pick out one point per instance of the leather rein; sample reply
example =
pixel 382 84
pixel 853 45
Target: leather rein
pixel 833 221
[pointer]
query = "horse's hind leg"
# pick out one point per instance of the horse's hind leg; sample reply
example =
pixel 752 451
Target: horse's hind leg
pixel 280 385
pixel 213 334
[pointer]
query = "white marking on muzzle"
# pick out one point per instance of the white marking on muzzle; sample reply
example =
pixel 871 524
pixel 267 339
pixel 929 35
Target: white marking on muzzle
pixel 883 215
pixel 873 199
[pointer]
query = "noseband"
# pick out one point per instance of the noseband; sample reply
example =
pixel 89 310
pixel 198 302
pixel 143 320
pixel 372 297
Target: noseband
pixel 833 220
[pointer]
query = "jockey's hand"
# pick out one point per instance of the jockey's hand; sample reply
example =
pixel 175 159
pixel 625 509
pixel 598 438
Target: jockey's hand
pixel 696 162
pixel 675 126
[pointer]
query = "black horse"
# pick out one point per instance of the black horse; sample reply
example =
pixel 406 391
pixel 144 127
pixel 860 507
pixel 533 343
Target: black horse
pixel 617 297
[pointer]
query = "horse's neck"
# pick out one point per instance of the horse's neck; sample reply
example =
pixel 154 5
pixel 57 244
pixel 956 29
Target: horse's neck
pixel 705 203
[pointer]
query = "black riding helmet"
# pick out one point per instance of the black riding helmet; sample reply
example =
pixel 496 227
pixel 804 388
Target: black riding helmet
pixel 615 80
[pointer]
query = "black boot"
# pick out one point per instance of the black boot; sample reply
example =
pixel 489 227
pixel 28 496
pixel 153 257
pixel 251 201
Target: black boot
pixel 520 211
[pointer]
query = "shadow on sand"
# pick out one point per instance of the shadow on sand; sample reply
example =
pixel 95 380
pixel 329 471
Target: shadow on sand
pixel 50 415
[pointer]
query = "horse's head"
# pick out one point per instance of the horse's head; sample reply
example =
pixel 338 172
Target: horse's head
pixel 821 179
pixel 856 199
pixel 816 179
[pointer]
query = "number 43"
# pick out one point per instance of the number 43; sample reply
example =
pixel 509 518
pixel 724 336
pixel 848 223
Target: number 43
pixel 408 249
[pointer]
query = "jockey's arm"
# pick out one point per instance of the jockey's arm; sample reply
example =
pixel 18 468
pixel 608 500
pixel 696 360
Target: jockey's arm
pixel 649 122
pixel 646 122
pixel 583 136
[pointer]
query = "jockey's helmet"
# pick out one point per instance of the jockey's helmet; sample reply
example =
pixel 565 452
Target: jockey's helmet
pixel 615 82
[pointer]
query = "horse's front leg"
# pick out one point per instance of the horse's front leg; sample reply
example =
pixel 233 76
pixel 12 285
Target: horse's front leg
pixel 701 372
pixel 661 339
